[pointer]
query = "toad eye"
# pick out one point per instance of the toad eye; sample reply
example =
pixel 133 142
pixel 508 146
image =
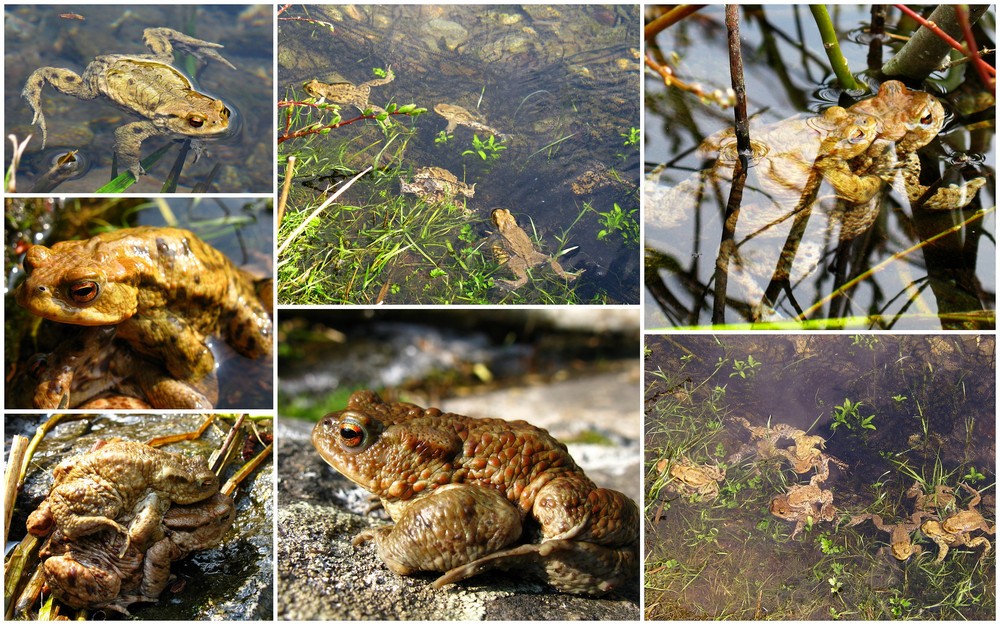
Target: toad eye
pixel 196 121
pixel 352 434
pixel 84 291
pixel 927 119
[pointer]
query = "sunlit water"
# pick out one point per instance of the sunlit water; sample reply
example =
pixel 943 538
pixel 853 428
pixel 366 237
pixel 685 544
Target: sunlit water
pixel 565 76
pixel 38 37
pixel 795 80
pixel 932 402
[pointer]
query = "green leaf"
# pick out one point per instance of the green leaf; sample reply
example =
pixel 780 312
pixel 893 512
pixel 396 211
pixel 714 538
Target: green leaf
pixel 126 179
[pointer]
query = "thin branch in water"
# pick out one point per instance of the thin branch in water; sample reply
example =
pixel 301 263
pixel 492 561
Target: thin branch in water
pixel 727 244
pixel 289 173
pixel 877 36
pixel 850 284
pixel 669 18
pixel 970 40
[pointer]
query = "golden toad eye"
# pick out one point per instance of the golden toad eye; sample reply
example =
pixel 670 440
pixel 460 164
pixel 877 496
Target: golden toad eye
pixel 351 435
pixel 84 291
pixel 927 118
pixel 196 121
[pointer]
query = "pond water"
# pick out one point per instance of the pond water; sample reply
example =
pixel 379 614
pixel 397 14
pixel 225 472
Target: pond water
pixel 560 81
pixel 45 37
pixel 242 229
pixel 891 412
pixel 797 261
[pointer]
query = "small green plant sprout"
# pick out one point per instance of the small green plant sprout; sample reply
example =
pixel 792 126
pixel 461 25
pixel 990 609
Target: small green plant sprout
pixel 620 221
pixel 827 546
pixel 442 137
pixel 745 368
pixel 898 605
pixel 848 415
pixel 835 584
pixel 899 398
pixel 973 475
pixel 864 340
pixel 381 73
pixel 487 150
pixel 632 136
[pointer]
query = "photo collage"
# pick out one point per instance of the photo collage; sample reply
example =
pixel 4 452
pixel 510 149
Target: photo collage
pixel 512 312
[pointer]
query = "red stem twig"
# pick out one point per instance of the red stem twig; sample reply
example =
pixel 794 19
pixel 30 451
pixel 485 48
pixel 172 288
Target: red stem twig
pixel 970 40
pixel 313 129
pixel 945 37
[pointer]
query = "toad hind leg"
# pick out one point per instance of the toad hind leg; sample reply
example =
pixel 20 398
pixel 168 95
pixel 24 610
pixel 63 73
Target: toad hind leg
pixel 450 527
pixel 162 41
pixel 63 81
pixel 571 566
pixel 562 272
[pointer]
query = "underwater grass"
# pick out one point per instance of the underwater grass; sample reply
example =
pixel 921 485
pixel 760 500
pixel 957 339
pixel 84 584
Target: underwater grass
pixel 729 558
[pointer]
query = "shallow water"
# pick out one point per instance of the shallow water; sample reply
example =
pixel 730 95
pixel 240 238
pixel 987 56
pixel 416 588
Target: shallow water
pixel 37 37
pixel 955 275
pixel 932 402
pixel 549 75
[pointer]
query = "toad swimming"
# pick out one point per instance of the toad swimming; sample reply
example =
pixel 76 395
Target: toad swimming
pixel 146 86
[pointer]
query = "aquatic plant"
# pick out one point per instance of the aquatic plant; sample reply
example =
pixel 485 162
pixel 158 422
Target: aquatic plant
pixel 619 221
pixel 488 150
pixel 848 415
pixel 745 368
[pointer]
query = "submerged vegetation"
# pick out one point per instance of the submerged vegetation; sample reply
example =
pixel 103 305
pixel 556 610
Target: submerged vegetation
pixel 546 160
pixel 915 440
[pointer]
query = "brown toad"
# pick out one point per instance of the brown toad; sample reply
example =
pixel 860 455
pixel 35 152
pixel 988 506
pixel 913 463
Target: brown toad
pixel 513 248
pixel 909 120
pixel 804 454
pixel 164 289
pixel 435 184
pixel 145 85
pixel 464 492
pixel 900 544
pixel 89 573
pixel 349 94
pixel 688 478
pixel 94 370
pixel 955 529
pixel 116 480
pixel 805 503
pixel 458 116
pixel 790 160
pixel 941 500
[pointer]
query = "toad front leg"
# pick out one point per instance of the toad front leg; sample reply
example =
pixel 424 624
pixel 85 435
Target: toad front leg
pixel 170 339
pixel 128 141
pixel 63 81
